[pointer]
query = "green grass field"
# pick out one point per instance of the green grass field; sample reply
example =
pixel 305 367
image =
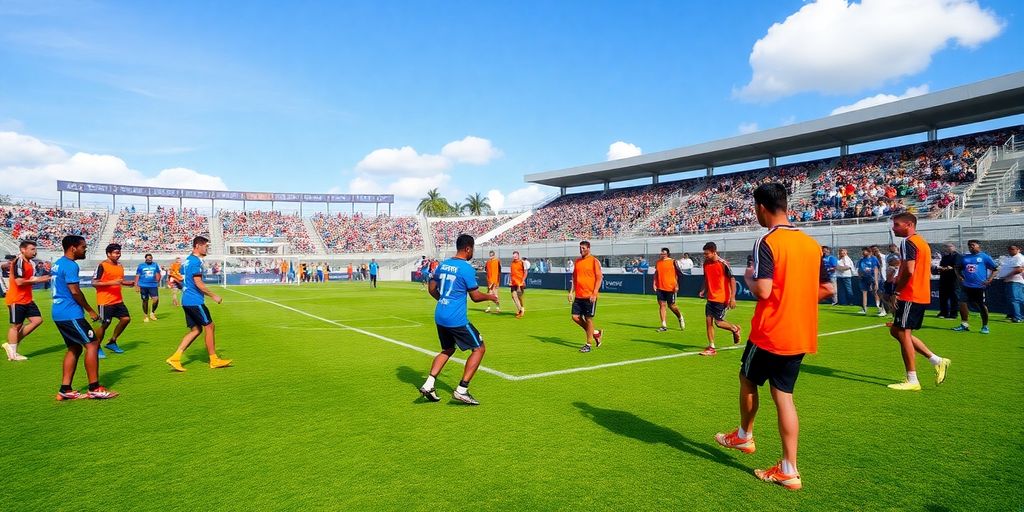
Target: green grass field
pixel 314 415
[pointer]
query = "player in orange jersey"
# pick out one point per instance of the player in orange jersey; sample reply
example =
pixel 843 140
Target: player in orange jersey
pixel 586 283
pixel 720 289
pixel 493 267
pixel 666 286
pixel 107 281
pixel 913 295
pixel 517 283
pixel 788 286
pixel 24 314
pixel 175 280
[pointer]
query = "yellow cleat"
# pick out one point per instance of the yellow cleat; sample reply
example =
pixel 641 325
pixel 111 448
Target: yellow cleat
pixel 906 386
pixel 176 364
pixel 940 371
pixel 219 363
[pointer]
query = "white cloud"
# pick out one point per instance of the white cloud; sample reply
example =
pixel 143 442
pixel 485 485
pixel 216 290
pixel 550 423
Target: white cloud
pixel 833 46
pixel 525 196
pixel 746 128
pixel 620 149
pixel 17 149
pixel 403 161
pixel 471 150
pixel 411 188
pixel 496 199
pixel 880 99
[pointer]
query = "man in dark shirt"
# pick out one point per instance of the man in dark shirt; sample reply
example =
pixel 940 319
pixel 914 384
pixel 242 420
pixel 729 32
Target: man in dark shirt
pixel 948 303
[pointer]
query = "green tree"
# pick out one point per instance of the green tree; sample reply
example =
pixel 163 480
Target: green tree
pixel 456 209
pixel 434 205
pixel 477 204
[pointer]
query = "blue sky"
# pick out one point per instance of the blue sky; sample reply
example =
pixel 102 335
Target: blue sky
pixel 324 96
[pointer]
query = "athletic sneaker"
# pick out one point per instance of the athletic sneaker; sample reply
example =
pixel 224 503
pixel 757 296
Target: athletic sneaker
pixel 102 393
pixel 19 357
pixel 663 329
pixel 10 351
pixel 906 386
pixel 710 351
pixel 176 364
pixel 984 329
pixel 585 348
pixel 488 310
pixel 145 318
pixel 217 362
pixel 682 324
pixel 881 312
pixel 100 353
pixel 430 394
pixel 69 395
pixel 774 474
pixel 733 440
pixel 152 316
pixel 597 338
pixel 736 336
pixel 465 398
pixel 961 328
pixel 940 370
pixel 863 311
pixel 112 346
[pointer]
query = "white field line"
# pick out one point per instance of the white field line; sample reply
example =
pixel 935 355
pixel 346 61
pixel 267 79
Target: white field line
pixel 373 335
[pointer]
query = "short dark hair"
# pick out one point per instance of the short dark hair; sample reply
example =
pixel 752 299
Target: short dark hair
pixel 113 247
pixel 585 243
pixel 199 240
pixel 772 196
pixel 907 216
pixel 71 241
pixel 866 248
pixel 969 242
pixel 464 242
pixel 148 255
pixel 26 243
pixel 666 251
pixel 873 247
pixel 711 246
pixel 1014 246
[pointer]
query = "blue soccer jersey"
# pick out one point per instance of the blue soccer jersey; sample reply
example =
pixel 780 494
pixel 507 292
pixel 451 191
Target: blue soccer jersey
pixel 455 278
pixel 65 272
pixel 146 275
pixel 373 268
pixel 866 267
pixel 191 296
pixel 830 262
pixel 974 268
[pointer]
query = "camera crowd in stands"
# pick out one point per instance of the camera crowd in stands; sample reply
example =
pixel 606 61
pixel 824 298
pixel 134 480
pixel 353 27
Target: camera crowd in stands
pixel 445 232
pixel 359 233
pixel 47 226
pixel 166 230
pixel 268 224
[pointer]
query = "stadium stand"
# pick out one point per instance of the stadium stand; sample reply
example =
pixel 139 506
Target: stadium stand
pixel 47 226
pixel 269 224
pixel 166 230
pixel 358 233
pixel 446 231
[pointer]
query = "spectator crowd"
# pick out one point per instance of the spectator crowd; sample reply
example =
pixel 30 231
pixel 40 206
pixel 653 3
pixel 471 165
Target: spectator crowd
pixel 360 233
pixel 47 226
pixel 445 232
pixel 166 230
pixel 272 224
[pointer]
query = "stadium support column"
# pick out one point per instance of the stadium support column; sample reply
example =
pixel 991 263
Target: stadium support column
pixel 561 191
pixel 654 178
pixel 710 171
pixel 147 204
pixel 61 199
pixel 607 185
pixel 933 134
pixel 772 162
pixel 844 149
pixel 113 202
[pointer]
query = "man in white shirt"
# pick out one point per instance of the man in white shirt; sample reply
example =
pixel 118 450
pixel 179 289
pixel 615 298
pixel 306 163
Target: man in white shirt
pixel 844 278
pixel 1011 271
pixel 685 264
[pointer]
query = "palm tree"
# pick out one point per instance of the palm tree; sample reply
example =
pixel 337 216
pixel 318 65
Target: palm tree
pixel 477 204
pixel 456 208
pixel 433 205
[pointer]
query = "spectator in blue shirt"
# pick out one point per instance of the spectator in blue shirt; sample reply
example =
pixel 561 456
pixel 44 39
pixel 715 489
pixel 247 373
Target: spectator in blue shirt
pixel 867 269
pixel 830 263
pixel 976 270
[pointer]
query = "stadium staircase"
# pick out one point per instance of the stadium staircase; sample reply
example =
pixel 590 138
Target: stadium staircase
pixel 518 219
pixel 428 237
pixel 8 245
pixel 996 189
pixel 640 228
pixel 318 242
pixel 107 233
pixel 216 235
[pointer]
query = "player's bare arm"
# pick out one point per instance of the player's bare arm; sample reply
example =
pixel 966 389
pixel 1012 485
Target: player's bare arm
pixel 198 280
pixel 76 293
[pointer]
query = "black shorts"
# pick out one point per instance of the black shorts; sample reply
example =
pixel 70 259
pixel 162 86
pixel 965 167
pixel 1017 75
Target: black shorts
pixel 868 285
pixel 112 312
pixel 716 310
pixel 19 312
pixel 175 284
pixel 666 297
pixel 515 288
pixel 197 316
pixel 908 315
pixel 759 365
pixel 148 292
pixel 465 337
pixel 889 288
pixel 75 332
pixel 584 308
pixel 971 295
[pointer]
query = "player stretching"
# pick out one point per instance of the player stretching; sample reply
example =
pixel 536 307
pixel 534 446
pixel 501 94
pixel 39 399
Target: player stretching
pixel 454 280
pixel 788 279
pixel 19 300
pixel 666 286
pixel 720 289
pixel 147 284
pixel 108 281
pixel 493 279
pixel 913 295
pixel 69 308
pixel 586 282
pixel 175 281
pixel 517 283
pixel 197 317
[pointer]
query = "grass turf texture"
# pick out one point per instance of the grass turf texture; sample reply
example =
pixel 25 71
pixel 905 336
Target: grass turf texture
pixel 314 416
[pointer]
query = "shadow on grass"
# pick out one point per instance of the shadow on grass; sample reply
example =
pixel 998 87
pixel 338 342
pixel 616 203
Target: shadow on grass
pixel 557 341
pixel 630 425
pixel 129 345
pixel 675 346
pixel 415 379
pixel 112 377
pixel 47 350
pixel 825 371
pixel 638 326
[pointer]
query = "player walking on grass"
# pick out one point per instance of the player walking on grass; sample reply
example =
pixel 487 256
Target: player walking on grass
pixel 517 283
pixel 107 281
pixel 19 300
pixel 586 282
pixel 175 281
pixel 493 279
pixel 784 328
pixel 913 295
pixel 193 303
pixel 719 288
pixel 451 283
pixel 666 286
pixel 147 284
pixel 975 272
pixel 867 269
pixel 69 308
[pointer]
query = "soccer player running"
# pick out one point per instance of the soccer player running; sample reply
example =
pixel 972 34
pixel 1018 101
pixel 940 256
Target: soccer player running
pixel 69 308
pixel 175 281
pixel 913 295
pixel 867 268
pixel 147 284
pixel 107 281
pixel 720 289
pixel 666 286
pixel 493 279
pixel 197 316
pixel 454 280
pixel 517 282
pixel 586 282
pixel 784 328
pixel 24 313
pixel 975 271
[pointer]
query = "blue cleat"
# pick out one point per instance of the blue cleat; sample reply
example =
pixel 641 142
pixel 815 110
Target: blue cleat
pixel 961 328
pixel 100 354
pixel 984 329
pixel 112 346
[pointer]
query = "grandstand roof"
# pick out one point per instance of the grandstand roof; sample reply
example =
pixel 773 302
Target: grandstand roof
pixel 981 101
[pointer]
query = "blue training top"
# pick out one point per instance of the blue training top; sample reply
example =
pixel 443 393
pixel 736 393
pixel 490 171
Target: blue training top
pixel 146 275
pixel 974 268
pixel 866 267
pixel 65 272
pixel 191 296
pixel 455 278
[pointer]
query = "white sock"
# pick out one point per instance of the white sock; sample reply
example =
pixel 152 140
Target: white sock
pixel 788 467
pixel 663 325
pixel 461 390
pixel 742 434
pixel 912 377
pixel 935 359
pixel 429 384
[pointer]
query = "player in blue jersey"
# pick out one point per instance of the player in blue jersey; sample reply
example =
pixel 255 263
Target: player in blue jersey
pixel 868 268
pixel 452 282
pixel 976 270
pixel 69 308
pixel 373 271
pixel 193 299
pixel 147 283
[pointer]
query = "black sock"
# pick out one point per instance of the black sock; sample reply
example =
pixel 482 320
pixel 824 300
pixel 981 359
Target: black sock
pixel 93 386
pixel 64 388
pixel 464 383
pixel 155 305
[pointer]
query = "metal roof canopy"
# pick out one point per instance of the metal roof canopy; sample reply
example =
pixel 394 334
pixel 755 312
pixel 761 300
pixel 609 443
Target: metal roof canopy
pixel 981 101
